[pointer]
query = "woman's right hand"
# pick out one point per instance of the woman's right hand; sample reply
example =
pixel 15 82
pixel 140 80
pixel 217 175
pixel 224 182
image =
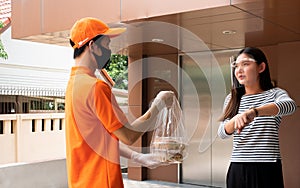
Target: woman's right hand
pixel 243 119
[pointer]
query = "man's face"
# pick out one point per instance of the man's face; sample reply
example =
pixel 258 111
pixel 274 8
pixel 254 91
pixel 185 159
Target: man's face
pixel 103 52
pixel 103 41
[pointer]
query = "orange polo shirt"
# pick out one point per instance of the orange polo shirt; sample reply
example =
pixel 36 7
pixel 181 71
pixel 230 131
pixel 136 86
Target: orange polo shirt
pixel 92 114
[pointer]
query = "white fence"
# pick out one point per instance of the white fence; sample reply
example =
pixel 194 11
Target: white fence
pixel 32 137
pixel 36 137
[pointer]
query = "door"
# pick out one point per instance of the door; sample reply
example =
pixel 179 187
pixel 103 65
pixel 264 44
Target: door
pixel 204 84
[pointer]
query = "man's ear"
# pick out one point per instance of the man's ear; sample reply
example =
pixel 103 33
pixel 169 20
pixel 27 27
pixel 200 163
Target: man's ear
pixel 92 45
pixel 262 67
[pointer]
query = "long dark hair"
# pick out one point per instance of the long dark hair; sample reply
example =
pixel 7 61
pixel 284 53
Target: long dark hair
pixel 238 90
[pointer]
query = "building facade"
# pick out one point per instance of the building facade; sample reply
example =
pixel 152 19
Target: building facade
pixel 185 46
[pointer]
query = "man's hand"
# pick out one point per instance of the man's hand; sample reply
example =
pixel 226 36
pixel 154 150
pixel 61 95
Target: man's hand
pixel 148 160
pixel 163 99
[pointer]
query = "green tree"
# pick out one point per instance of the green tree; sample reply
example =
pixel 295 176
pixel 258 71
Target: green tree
pixel 118 70
pixel 3 53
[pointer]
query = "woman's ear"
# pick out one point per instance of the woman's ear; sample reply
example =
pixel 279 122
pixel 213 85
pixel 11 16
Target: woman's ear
pixel 261 67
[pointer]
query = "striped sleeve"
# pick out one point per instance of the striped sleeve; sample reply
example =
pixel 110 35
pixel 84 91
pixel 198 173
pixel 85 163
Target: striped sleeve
pixel 285 104
pixel 221 131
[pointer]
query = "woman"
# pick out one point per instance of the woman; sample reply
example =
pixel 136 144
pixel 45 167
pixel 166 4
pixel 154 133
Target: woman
pixel 252 114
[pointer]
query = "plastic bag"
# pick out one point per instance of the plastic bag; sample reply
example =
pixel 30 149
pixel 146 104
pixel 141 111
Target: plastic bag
pixel 169 140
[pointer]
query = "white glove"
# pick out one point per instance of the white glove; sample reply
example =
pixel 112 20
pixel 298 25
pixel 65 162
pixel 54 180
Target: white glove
pixel 147 160
pixel 162 98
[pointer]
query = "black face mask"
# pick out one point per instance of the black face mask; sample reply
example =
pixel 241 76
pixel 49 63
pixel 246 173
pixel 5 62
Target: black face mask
pixel 103 60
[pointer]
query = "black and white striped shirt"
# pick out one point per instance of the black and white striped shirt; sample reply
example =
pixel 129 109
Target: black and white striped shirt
pixel 258 141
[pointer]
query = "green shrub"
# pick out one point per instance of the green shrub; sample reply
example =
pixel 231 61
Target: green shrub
pixel 118 70
pixel 3 53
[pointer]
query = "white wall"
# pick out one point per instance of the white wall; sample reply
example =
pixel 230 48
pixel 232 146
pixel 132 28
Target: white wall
pixel 36 54
pixel 47 174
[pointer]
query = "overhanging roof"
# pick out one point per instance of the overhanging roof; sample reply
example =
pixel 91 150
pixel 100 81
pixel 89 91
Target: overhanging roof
pixel 250 22
pixel 32 81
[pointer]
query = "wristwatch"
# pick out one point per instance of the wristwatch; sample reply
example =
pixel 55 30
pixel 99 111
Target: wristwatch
pixel 255 110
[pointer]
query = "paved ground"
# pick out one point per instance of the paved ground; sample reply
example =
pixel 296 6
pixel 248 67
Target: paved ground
pixel 155 184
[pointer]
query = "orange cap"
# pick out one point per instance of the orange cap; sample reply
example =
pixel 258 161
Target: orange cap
pixel 87 28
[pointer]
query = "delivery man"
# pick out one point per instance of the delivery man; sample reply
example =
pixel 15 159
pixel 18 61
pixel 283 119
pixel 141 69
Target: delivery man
pixel 94 121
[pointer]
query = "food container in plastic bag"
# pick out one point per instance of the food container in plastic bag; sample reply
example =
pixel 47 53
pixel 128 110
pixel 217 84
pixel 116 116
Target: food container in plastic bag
pixel 169 140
